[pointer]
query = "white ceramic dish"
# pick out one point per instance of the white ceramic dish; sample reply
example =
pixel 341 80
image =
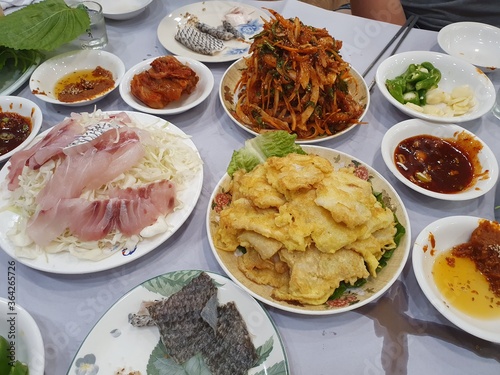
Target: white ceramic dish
pixel 474 42
pixel 123 9
pixel 211 13
pixel 44 78
pixel 107 346
pixel 26 334
pixel 229 97
pixel 439 236
pixel 413 127
pixel 26 108
pixel 65 263
pixel 357 297
pixel 203 88
pixel 454 72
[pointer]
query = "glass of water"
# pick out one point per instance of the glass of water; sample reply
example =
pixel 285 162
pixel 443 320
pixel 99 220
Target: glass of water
pixel 96 36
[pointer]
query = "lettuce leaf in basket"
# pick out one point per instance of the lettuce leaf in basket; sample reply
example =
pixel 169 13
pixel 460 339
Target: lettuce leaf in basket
pixel 257 150
pixel 46 26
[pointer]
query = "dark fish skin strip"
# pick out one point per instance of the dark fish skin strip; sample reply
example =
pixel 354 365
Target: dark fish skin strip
pixel 199 42
pixel 231 29
pixel 138 320
pixel 215 32
pixel 233 353
pixel 227 350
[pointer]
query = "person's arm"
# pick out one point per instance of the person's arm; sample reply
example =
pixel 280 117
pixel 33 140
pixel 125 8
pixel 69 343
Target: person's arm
pixel 381 10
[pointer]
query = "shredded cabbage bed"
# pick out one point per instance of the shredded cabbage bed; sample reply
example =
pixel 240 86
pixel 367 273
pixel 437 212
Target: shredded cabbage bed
pixel 167 157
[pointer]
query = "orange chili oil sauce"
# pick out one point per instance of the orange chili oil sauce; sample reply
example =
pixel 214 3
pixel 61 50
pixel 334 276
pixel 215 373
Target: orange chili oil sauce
pixel 84 84
pixel 14 129
pixel 468 275
pixel 442 165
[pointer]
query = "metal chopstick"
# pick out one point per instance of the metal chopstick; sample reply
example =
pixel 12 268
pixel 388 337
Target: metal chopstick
pixel 410 22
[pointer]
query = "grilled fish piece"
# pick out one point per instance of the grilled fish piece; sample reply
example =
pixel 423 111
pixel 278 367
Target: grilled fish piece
pixel 191 322
pixel 178 318
pixel 197 41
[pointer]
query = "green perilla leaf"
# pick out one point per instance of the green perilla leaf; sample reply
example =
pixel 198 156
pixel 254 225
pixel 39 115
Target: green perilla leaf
pixel 46 26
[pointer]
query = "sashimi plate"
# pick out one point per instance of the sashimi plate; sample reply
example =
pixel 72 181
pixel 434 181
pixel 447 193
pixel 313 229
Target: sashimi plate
pixel 354 298
pixel 65 263
pixel 210 13
pixel 115 346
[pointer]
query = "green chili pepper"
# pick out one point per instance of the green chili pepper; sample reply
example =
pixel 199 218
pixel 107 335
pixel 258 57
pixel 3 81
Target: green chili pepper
pixel 422 96
pixel 395 88
pixel 418 75
pixel 427 65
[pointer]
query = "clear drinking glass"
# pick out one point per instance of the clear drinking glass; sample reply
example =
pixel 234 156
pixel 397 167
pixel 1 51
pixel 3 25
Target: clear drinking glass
pixel 96 36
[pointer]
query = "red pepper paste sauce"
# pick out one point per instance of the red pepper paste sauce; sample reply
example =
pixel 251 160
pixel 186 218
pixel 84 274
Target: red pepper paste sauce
pixel 483 249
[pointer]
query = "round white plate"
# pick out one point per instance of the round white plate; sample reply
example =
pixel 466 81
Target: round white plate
pixel 65 263
pixel 413 127
pixel 370 291
pixel 44 78
pixel 26 108
pixel 112 340
pixel 24 331
pixel 439 236
pixel 454 72
pixel 123 9
pixel 211 13
pixel 229 97
pixel 203 88
pixel 475 42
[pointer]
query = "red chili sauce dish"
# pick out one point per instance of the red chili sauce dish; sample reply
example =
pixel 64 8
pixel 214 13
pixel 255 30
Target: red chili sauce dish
pixel 442 165
pixel 14 129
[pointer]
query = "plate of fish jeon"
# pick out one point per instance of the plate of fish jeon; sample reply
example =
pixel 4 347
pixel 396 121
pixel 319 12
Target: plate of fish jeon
pixel 302 86
pixel 137 319
pixel 324 216
pixel 211 31
pixel 166 85
pixel 126 162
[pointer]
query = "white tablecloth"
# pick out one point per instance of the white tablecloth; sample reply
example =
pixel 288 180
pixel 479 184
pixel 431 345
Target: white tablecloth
pixel 401 333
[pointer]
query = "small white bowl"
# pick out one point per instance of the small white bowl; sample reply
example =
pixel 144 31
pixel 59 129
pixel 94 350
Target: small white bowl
pixel 26 108
pixel 474 42
pixel 123 9
pixel 44 78
pixel 442 235
pixel 200 93
pixel 29 343
pixel 414 127
pixel 454 72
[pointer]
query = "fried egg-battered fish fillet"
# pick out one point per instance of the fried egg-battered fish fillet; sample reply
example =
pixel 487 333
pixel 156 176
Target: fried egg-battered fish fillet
pixel 296 171
pixel 273 272
pixel 255 187
pixel 315 275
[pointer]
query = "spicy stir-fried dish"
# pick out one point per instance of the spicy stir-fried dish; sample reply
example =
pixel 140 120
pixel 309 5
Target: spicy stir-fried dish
pixel 296 80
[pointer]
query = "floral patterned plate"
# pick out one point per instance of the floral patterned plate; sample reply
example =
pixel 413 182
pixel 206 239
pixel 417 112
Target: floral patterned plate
pixel 211 13
pixel 114 346
pixel 354 297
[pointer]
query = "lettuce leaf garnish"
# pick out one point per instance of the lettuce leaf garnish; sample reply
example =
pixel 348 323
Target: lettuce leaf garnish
pixel 257 150
pixel 45 26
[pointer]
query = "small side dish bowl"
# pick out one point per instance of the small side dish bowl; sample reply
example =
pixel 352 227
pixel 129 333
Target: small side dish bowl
pixel 26 108
pixel 455 72
pixel 123 9
pixel 440 236
pixel 44 78
pixel 475 42
pixel 29 342
pixel 484 181
pixel 203 88
pixel 229 97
